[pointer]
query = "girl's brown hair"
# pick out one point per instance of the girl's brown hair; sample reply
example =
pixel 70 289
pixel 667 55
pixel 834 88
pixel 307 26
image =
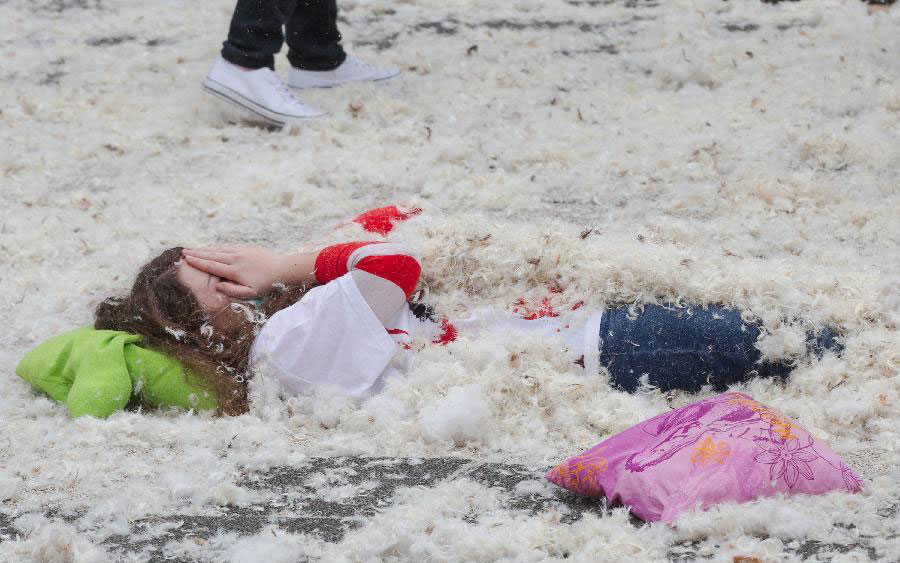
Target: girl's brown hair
pixel 171 320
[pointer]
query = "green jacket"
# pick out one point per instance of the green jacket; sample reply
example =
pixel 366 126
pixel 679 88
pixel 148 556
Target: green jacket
pixel 98 372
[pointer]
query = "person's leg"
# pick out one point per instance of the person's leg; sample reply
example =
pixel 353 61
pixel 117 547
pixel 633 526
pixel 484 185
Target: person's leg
pixel 314 42
pixel 255 34
pixel 244 74
pixel 687 348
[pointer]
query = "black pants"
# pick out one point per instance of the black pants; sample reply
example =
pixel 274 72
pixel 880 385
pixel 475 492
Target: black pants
pixel 310 30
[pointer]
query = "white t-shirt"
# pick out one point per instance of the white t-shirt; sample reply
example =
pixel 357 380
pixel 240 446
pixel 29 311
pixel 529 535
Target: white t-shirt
pixel 332 338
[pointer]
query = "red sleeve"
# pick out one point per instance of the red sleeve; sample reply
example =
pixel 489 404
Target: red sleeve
pixel 331 263
pixel 400 269
pixel 382 220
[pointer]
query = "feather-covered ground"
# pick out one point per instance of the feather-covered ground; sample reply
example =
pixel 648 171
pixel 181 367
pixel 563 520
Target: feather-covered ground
pixel 693 150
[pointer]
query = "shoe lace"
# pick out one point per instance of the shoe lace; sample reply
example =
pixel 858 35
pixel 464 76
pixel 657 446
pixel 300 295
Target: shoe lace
pixel 362 64
pixel 283 90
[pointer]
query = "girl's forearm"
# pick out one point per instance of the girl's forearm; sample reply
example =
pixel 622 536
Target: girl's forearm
pixel 299 268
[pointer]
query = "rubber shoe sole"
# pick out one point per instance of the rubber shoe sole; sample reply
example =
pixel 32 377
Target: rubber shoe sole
pixel 223 92
pixel 305 86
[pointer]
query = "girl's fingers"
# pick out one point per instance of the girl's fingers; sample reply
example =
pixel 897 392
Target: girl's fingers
pixel 212 267
pixel 235 290
pixel 207 254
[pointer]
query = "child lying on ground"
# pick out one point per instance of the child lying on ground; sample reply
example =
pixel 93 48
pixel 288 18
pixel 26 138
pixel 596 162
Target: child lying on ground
pixel 341 317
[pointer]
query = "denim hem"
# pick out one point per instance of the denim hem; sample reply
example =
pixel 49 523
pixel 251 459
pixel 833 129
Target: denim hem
pixel 248 61
pixel 316 65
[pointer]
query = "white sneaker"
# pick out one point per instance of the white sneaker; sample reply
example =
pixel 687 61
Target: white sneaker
pixel 351 70
pixel 258 91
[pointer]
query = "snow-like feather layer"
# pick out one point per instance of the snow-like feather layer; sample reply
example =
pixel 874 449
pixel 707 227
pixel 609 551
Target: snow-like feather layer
pixel 728 152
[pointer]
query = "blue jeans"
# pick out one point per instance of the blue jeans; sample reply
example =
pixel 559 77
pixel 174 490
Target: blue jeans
pixel 688 348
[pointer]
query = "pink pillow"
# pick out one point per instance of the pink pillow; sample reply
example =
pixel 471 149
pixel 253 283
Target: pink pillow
pixel 725 448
